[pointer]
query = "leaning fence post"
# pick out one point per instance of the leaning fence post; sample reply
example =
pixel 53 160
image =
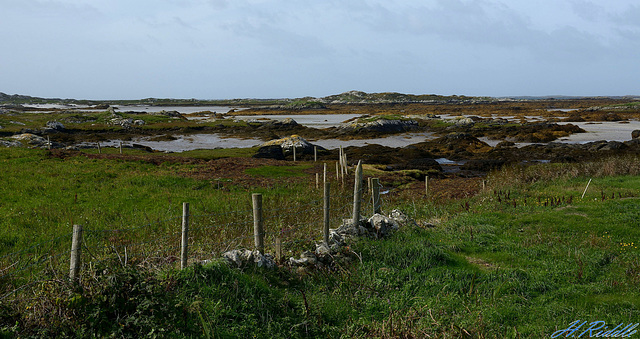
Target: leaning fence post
pixel 185 235
pixel 375 183
pixel 357 193
pixel 325 230
pixel 258 230
pixel 76 252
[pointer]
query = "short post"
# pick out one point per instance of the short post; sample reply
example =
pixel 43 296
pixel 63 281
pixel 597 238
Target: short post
pixel 325 230
pixel 337 171
pixel 258 230
pixel 48 143
pixel 317 180
pixel 357 193
pixel 185 235
pixel 120 147
pixel 99 150
pixel 315 153
pixel 484 185
pixel 375 186
pixel 426 185
pixel 76 252
pixel 294 153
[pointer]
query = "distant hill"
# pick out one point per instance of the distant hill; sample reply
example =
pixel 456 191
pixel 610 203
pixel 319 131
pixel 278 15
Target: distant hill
pixel 392 97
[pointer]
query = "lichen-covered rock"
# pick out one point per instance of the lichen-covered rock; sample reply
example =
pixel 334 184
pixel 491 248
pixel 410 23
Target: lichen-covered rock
pixel 402 219
pixel 54 126
pixel 635 134
pixel 31 139
pixel 307 258
pixel 248 258
pixel 5 143
pixel 383 225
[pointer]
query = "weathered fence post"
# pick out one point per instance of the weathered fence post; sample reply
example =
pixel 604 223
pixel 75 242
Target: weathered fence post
pixel 99 150
pixel 185 235
pixel 317 180
pixel 120 147
pixel 337 171
pixel 324 174
pixel 325 230
pixel 48 143
pixel 76 253
pixel 375 196
pixel 258 230
pixel 315 153
pixel 426 185
pixel 278 248
pixel 294 152
pixel 357 193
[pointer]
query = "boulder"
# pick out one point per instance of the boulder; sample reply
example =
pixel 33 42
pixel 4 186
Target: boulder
pixel 383 225
pixel 248 258
pixel 402 219
pixel 270 152
pixel 635 134
pixel 307 258
pixel 301 145
pixel 54 126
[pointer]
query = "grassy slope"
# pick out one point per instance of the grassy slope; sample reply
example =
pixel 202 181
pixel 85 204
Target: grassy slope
pixel 492 270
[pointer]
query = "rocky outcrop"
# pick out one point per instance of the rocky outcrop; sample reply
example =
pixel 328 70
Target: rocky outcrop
pixel 31 139
pixel 270 152
pixel 287 144
pixel 380 125
pixel 53 126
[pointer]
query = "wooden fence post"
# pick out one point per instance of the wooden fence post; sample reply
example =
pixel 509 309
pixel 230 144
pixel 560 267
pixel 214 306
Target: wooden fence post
pixel 278 248
pixel 426 185
pixel 324 174
pixel 76 253
pixel 120 147
pixel 357 193
pixel 185 236
pixel 258 230
pixel 48 143
pixel 315 153
pixel 375 186
pixel 99 150
pixel 294 152
pixel 325 230
pixel 317 180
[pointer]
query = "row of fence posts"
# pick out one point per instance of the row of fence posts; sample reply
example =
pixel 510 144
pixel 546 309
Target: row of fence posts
pixel 258 223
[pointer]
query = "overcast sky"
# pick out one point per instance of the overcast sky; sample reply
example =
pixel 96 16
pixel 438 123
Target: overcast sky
pixel 219 49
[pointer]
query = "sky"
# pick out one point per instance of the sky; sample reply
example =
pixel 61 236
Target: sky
pixel 224 49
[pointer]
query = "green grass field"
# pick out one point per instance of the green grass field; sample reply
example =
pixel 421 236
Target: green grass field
pixel 522 259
